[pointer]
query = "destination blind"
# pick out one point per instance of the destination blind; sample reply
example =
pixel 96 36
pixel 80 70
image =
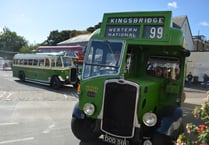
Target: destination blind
pixel 130 27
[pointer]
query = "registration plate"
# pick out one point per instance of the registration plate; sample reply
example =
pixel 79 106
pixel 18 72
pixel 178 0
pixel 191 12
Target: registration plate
pixel 115 141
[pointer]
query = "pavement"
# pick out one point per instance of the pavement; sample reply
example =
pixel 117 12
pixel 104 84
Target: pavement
pixel 196 93
pixel 196 88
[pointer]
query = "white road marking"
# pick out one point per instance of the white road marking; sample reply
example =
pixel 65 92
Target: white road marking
pixel 8 123
pixel 16 140
pixel 49 128
pixel 65 97
pixel 10 94
pixel 2 94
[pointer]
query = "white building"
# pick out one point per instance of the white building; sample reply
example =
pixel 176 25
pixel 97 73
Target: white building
pixel 198 64
pixel 182 23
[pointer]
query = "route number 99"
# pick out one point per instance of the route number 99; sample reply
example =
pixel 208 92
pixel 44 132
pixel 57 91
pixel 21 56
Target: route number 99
pixel 152 32
pixel 156 32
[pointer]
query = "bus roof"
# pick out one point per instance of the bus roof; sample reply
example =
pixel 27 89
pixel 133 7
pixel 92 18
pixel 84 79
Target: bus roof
pixel 35 55
pixel 145 28
pixel 60 47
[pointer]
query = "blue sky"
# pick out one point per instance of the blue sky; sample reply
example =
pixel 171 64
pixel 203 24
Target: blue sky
pixel 35 19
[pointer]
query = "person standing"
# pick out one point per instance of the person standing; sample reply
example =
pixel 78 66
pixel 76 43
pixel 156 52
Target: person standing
pixel 189 78
pixel 205 78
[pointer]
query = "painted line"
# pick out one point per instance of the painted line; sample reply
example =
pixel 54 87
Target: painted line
pixel 10 94
pixel 17 140
pixel 65 97
pixel 8 123
pixel 48 130
pixel 2 94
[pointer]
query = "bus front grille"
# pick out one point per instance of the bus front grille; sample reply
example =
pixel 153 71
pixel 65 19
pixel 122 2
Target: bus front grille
pixel 119 108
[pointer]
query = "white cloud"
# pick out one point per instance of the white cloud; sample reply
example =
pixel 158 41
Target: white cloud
pixel 172 4
pixel 204 23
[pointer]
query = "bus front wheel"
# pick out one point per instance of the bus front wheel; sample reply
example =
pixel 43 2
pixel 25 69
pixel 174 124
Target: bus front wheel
pixel 161 139
pixel 84 129
pixel 55 83
pixel 22 76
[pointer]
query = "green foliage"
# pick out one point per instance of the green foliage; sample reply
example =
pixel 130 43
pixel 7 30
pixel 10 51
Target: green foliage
pixel 10 43
pixel 92 29
pixel 28 48
pixel 200 132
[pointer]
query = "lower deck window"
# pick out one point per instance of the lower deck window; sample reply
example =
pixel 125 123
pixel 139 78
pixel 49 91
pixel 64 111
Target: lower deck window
pixel 163 67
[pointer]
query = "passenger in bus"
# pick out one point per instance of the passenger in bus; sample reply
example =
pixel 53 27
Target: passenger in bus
pixel 177 73
pixel 117 58
pixel 165 72
pixel 159 72
pixel 47 63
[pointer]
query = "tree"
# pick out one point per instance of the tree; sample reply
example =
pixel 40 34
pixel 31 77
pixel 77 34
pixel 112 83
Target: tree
pixel 92 29
pixel 28 48
pixel 10 43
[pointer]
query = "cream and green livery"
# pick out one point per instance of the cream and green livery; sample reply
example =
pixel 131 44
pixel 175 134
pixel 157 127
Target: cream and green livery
pixel 132 81
pixel 53 69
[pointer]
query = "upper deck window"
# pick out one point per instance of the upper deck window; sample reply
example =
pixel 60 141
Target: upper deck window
pixel 102 58
pixel 163 67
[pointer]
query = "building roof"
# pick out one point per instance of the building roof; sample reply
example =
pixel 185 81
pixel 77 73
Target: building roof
pixel 179 21
pixel 76 39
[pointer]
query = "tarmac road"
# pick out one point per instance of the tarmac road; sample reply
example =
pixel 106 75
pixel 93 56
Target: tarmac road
pixel 38 115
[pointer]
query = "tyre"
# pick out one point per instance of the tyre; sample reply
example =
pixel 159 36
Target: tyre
pixel 55 83
pixel 161 139
pixel 22 76
pixel 84 129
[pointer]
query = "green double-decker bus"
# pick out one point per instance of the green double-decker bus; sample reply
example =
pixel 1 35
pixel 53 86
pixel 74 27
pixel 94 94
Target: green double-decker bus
pixel 54 69
pixel 132 81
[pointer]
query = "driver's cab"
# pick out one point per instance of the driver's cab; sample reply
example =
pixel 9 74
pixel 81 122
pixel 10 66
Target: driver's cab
pixel 103 58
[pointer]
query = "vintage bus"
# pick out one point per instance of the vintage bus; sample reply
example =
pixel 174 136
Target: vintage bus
pixel 132 81
pixel 54 69
pixel 75 52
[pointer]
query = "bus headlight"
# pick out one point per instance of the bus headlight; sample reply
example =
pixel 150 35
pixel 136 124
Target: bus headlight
pixel 147 142
pixel 89 109
pixel 149 119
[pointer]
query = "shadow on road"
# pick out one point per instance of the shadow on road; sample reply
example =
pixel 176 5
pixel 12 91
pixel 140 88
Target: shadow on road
pixel 68 90
pixel 188 117
pixel 97 142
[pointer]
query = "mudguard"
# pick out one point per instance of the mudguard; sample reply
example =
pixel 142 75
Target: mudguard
pixel 77 113
pixel 171 125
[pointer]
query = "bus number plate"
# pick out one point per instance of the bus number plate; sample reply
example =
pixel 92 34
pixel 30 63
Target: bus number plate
pixel 115 141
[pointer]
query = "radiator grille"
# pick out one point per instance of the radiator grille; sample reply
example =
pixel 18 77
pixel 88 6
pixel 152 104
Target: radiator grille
pixel 119 108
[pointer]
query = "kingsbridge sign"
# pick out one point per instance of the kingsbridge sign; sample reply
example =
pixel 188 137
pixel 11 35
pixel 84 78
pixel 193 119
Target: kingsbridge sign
pixel 136 20
pixel 136 25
